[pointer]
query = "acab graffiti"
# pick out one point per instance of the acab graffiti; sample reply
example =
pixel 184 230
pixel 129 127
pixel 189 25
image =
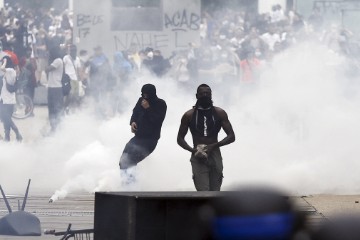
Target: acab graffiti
pixel 182 20
pixel 180 27
pixel 176 32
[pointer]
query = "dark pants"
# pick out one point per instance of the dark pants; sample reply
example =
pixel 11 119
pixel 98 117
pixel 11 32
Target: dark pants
pixel 136 150
pixel 6 117
pixel 55 106
pixel 29 90
pixel 208 173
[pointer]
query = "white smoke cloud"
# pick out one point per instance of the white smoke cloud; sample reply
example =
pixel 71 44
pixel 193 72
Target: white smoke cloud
pixel 298 130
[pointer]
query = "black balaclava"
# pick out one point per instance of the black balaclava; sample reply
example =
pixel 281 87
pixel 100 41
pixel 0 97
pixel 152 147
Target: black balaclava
pixel 150 90
pixel 205 101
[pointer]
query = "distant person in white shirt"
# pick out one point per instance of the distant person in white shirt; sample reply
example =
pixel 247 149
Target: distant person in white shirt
pixel 72 66
pixel 277 14
pixel 55 93
pixel 8 98
pixel 271 37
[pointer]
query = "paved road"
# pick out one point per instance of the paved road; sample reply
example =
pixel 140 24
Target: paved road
pixel 332 205
pixel 33 128
pixel 75 209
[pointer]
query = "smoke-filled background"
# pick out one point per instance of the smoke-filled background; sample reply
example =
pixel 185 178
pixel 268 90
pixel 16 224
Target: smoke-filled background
pixel 297 129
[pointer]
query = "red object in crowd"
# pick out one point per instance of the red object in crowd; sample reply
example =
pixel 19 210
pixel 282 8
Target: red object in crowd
pixel 249 68
pixel 13 57
pixel 22 62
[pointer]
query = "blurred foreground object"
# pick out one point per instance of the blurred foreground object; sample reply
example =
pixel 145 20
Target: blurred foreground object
pixel 256 214
pixel 253 214
pixel 19 223
pixel 341 227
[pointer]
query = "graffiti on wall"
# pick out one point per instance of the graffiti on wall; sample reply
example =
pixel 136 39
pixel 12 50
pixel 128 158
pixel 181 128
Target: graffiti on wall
pixel 85 22
pixel 141 40
pixel 175 26
pixel 182 21
pixel 179 28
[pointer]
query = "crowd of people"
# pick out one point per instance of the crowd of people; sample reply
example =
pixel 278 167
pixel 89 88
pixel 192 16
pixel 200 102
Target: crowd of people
pixel 234 44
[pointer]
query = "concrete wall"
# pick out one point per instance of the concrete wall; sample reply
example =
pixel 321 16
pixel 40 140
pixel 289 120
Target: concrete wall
pixel 169 27
pixel 71 5
pixel 338 12
pixel 304 7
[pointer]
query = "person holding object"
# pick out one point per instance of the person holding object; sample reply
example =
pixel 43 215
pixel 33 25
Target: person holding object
pixel 55 91
pixel 8 97
pixel 205 122
pixel 72 66
pixel 146 122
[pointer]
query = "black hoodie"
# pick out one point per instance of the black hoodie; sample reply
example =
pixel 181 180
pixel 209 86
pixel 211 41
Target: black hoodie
pixel 149 121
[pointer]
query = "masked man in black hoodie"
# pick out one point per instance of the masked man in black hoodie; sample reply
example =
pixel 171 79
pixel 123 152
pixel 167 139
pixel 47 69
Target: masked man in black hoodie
pixel 146 121
pixel 205 122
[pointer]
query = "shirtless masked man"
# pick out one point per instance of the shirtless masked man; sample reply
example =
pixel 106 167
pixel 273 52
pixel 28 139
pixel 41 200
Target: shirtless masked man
pixel 205 122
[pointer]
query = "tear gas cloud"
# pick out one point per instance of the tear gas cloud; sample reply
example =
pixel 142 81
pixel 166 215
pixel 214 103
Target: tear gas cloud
pixel 297 129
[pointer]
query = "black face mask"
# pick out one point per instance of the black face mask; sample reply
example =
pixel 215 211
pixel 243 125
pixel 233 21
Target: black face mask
pixel 149 98
pixel 204 102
